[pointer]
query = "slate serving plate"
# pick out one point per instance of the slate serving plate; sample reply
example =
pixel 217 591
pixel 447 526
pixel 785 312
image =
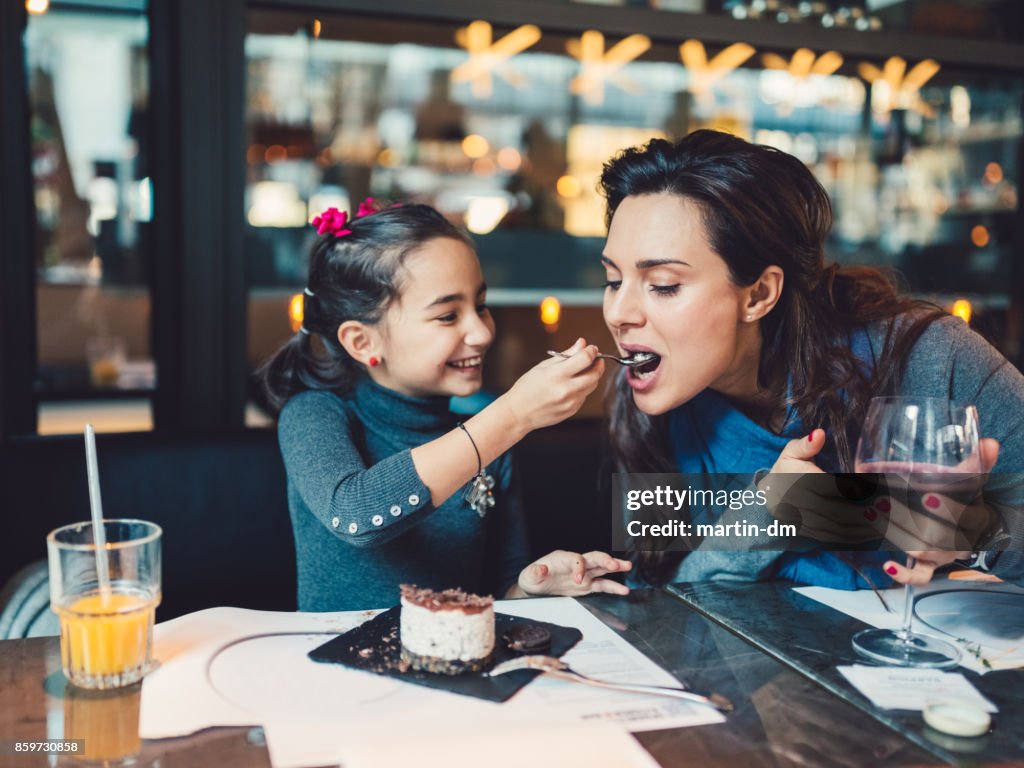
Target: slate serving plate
pixel 374 647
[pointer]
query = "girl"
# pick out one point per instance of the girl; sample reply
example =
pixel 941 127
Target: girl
pixel 766 356
pixel 396 323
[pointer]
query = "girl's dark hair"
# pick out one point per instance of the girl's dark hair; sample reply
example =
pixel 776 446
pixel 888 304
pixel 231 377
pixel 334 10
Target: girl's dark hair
pixel 352 277
pixel 763 207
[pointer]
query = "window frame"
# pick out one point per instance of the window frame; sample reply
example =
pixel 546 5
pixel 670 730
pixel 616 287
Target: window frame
pixel 197 102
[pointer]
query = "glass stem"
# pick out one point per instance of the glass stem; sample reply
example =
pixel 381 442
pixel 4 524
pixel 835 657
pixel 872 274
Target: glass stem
pixel 908 604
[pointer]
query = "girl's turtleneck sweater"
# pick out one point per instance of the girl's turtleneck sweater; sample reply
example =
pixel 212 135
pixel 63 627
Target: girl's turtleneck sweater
pixel 362 517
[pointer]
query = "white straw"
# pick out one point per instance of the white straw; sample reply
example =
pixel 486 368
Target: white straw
pixel 96 505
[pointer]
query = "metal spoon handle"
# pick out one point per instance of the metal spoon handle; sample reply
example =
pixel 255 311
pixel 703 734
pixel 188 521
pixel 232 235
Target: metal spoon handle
pixel 714 700
pixel 618 360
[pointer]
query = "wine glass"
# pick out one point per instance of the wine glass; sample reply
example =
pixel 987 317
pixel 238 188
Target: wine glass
pixel 920 444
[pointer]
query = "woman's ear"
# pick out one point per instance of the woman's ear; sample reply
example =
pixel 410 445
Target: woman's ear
pixel 359 340
pixel 764 294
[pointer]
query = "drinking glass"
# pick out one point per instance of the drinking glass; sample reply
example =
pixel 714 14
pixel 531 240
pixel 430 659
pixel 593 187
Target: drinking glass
pixel 106 625
pixel 106 358
pixel 919 444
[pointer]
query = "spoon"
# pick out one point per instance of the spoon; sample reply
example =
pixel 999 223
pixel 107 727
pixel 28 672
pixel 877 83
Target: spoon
pixel 558 668
pixel 638 359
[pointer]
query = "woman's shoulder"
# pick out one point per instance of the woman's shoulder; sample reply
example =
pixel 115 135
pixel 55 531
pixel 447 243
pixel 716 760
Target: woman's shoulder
pixel 949 331
pixel 953 344
pixel 945 341
pixel 950 359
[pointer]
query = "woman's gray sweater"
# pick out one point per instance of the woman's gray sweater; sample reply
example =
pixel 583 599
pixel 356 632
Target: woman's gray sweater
pixel 951 361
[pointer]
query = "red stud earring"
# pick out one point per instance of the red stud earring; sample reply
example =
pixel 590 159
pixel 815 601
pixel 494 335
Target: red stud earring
pixel 374 362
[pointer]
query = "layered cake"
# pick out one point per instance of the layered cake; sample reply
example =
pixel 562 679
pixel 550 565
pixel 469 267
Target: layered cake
pixel 447 632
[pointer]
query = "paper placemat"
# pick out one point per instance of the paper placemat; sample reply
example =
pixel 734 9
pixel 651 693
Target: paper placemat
pixel 229 666
pixel 982 651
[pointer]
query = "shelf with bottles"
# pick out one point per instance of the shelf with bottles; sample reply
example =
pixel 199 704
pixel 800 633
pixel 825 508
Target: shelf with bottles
pixel 981 210
pixel 1011 131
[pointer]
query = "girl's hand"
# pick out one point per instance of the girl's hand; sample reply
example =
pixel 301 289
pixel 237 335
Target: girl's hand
pixel 572 574
pixel 555 389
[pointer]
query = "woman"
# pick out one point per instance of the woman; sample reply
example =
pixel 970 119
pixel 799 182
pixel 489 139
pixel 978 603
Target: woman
pixel 767 356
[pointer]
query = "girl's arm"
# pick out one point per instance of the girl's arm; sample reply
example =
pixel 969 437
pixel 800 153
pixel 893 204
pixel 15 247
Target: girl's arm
pixel 370 505
pixel 548 393
pixel 362 505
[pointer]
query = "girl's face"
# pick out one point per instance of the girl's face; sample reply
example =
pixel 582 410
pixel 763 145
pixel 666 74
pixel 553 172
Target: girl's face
pixel 669 293
pixel 436 333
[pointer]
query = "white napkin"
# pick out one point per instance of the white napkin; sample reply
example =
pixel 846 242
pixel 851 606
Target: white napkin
pixel 907 688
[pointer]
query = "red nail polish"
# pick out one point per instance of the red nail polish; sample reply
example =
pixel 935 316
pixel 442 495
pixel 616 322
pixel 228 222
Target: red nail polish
pixel 870 514
pixel 932 502
pixel 884 505
pixel 891 570
pixel 810 438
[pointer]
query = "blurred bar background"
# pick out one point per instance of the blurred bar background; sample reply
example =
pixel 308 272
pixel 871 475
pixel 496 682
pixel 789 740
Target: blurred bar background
pixel 161 161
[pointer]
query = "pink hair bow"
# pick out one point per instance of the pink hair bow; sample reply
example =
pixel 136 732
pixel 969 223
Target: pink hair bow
pixel 366 208
pixel 333 221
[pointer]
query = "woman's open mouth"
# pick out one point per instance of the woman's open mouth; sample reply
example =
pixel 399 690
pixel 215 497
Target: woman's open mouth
pixel 642 375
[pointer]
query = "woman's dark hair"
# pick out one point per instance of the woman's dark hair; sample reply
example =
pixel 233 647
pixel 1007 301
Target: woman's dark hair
pixel 763 207
pixel 352 277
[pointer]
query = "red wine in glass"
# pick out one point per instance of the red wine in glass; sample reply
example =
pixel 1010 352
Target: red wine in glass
pixel 920 445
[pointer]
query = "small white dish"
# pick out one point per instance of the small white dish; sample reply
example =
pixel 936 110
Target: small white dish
pixel 957 718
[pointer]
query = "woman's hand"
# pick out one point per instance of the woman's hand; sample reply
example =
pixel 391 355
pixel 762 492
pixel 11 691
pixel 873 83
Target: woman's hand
pixel 554 389
pixel 798 455
pixel 572 574
pixel 937 535
pixel 930 526
pixel 824 507
pixel 925 564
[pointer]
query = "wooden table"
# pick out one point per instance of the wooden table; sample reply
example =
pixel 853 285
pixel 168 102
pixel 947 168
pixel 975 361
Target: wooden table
pixel 782 717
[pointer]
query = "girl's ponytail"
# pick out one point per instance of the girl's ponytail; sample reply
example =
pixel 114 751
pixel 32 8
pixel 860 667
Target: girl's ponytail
pixel 293 368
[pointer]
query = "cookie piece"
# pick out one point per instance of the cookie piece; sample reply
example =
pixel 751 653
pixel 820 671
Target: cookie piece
pixel 528 638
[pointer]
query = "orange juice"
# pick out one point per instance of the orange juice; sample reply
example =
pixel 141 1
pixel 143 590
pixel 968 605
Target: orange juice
pixel 106 639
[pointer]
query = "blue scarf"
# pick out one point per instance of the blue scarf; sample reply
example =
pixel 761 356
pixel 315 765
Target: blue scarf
pixel 708 435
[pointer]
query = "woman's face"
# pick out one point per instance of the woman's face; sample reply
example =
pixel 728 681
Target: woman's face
pixel 436 334
pixel 670 294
